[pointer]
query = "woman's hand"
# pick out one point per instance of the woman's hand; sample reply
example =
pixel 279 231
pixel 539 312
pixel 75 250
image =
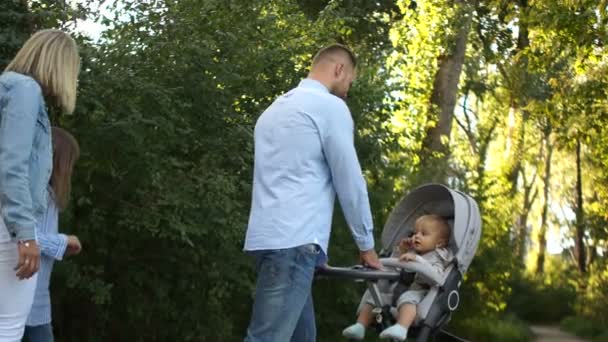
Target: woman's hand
pixel 407 257
pixel 29 259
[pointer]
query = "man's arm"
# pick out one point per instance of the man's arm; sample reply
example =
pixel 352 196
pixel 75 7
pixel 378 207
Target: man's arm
pixel 347 178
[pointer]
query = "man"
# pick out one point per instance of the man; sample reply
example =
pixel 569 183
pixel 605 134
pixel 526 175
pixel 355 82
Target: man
pixel 304 156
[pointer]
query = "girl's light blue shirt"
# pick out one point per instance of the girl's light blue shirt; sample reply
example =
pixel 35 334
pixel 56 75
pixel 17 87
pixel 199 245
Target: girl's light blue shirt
pixel 52 247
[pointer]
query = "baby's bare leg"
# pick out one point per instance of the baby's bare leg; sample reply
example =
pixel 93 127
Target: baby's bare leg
pixel 364 319
pixel 366 315
pixel 407 314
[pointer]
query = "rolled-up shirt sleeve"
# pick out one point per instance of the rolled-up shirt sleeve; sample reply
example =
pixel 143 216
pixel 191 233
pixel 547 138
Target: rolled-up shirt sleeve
pixel 53 245
pixel 17 126
pixel 347 178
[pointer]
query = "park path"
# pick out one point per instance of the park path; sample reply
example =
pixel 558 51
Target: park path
pixel 546 333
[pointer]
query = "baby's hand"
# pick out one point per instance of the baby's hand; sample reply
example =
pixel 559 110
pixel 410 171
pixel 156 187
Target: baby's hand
pixel 407 257
pixel 406 244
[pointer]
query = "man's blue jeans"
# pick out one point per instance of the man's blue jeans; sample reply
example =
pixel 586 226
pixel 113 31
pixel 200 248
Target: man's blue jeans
pixel 283 309
pixel 38 333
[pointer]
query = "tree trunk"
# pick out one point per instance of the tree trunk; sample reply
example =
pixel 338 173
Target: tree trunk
pixel 519 100
pixel 542 238
pixel 522 222
pixel 435 147
pixel 484 146
pixel 579 242
pixel 518 146
pixel 479 140
pixel 518 119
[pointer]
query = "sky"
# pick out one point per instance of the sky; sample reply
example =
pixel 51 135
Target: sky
pixel 91 28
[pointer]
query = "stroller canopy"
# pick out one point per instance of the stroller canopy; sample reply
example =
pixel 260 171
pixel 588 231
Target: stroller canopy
pixel 458 208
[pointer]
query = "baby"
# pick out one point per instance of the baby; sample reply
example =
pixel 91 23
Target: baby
pixel 428 245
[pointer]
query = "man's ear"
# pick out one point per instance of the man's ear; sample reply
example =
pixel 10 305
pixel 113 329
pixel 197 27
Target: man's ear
pixel 339 69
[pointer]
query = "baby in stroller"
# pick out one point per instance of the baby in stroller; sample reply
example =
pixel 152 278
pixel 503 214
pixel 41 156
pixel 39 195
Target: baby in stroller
pixel 436 276
pixel 428 245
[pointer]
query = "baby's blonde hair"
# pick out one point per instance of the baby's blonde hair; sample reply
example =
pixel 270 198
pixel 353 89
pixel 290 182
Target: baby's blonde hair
pixel 436 222
pixel 51 58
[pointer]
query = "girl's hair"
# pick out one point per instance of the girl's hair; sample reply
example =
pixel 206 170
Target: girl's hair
pixel 65 153
pixel 51 58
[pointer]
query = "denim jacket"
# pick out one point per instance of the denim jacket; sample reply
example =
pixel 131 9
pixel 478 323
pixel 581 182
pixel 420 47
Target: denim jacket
pixel 25 155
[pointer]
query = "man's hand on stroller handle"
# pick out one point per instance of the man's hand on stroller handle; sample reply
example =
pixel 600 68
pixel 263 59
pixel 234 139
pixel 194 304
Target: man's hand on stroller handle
pixel 370 259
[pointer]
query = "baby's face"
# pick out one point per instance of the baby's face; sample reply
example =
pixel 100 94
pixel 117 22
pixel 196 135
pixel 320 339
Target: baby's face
pixel 427 237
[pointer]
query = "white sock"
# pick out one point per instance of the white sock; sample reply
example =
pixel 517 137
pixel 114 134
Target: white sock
pixel 355 331
pixel 397 332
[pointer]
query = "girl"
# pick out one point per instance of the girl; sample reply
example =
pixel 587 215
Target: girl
pixel 53 245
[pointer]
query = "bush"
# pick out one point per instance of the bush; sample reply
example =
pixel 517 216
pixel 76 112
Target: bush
pixel 496 329
pixel 593 294
pixel 603 337
pixel 583 326
pixel 552 302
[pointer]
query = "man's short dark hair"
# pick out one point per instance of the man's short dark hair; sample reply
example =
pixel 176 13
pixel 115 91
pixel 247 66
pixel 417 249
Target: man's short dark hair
pixel 334 49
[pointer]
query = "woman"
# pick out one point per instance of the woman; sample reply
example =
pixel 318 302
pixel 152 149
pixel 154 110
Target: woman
pixel 43 73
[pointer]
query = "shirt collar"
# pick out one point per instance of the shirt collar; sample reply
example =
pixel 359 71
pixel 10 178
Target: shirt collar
pixel 313 84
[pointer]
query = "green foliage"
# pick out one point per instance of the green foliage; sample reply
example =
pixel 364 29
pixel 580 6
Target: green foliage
pixel 493 328
pixel 592 294
pixel 582 326
pixel 13 29
pixel 165 116
pixel 552 302
pixel 167 103
pixel 20 18
pixel 601 337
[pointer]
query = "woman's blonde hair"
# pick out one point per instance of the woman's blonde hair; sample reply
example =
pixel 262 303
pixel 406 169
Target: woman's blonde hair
pixel 51 58
pixel 65 154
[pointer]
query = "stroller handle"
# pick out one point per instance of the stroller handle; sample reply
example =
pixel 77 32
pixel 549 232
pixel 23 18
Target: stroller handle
pixel 358 272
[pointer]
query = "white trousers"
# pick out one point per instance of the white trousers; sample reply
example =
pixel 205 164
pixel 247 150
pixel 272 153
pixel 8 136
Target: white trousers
pixel 16 296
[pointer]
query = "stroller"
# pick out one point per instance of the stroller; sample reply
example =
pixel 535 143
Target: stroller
pixel 435 310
